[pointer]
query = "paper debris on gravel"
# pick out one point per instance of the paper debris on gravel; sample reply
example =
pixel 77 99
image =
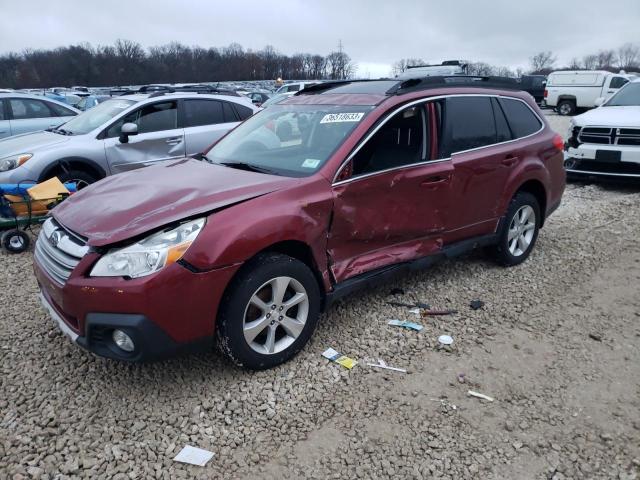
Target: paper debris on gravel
pixel 402 323
pixel 382 364
pixel 194 456
pixel 336 357
pixel 445 339
pixel 480 395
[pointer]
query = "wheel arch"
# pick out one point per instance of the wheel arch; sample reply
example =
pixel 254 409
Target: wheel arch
pixel 537 189
pixel 69 163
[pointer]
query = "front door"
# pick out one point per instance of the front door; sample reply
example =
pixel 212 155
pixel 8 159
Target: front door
pixel 390 199
pixel 158 139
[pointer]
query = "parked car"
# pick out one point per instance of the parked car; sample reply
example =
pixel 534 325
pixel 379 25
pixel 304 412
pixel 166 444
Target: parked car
pixel 295 86
pixel 569 90
pixel 604 143
pixel 258 98
pixel 121 134
pixel 534 85
pixel 381 177
pixel 21 113
pixel 449 67
pixel 277 98
pixel 91 101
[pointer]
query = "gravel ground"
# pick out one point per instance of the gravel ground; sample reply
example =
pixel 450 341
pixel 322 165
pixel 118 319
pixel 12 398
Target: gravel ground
pixel 557 345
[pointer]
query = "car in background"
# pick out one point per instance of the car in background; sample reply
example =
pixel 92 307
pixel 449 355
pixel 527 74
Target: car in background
pixel 276 98
pixel 534 85
pixel 569 90
pixel 249 244
pixel 604 143
pixel 120 134
pixel 258 98
pixel 295 87
pixel 91 101
pixel 21 113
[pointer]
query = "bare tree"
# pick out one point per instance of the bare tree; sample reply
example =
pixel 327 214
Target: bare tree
pixel 590 62
pixel 574 64
pixel 542 62
pixel 340 66
pixel 402 65
pixel 606 59
pixel 628 56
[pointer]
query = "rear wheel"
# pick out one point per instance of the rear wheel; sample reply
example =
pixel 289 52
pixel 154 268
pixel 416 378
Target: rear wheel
pixel 566 107
pixel 15 241
pixel 520 230
pixel 269 311
pixel 80 178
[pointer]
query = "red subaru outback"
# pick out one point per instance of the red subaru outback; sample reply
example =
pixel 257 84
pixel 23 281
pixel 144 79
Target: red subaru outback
pixel 330 190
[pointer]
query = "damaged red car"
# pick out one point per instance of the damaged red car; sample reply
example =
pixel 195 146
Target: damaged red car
pixel 328 191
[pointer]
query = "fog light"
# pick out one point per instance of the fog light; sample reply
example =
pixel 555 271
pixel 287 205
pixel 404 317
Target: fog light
pixel 123 341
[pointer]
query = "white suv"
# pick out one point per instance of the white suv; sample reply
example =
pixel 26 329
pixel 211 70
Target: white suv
pixel 605 142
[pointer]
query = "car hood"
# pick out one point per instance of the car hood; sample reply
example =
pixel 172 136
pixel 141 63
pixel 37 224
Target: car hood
pixel 610 117
pixel 30 142
pixel 129 204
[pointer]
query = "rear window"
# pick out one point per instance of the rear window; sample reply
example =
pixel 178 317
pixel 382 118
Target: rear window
pixel 521 119
pixel 468 124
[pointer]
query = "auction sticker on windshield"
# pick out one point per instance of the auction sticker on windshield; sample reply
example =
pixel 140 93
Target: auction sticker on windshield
pixel 310 163
pixel 342 117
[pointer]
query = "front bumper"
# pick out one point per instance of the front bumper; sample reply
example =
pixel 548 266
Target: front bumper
pixel 167 313
pixel 603 162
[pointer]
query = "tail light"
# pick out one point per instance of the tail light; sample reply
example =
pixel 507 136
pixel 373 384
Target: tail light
pixel 546 93
pixel 558 142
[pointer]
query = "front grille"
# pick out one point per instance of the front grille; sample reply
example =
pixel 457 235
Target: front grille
pixel 57 251
pixel 599 135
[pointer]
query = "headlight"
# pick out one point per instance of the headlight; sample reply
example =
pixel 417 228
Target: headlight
pixel 149 255
pixel 14 161
pixel 572 124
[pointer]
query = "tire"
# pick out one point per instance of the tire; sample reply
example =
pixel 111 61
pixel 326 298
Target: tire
pixel 512 250
pixel 15 241
pixel 253 328
pixel 80 178
pixel 566 107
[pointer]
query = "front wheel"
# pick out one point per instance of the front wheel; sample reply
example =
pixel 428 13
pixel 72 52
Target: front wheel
pixel 520 230
pixel 269 312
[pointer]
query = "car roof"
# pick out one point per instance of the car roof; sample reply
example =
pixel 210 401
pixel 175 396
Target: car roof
pixel 139 97
pixel 37 97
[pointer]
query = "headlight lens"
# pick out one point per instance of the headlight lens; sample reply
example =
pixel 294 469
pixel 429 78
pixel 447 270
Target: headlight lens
pixel 149 255
pixel 572 124
pixel 14 161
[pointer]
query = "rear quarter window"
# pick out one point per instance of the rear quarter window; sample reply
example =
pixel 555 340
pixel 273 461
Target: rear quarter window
pixel 521 119
pixel 243 112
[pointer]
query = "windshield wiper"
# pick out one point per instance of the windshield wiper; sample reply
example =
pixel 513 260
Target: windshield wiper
pixel 247 166
pixel 61 131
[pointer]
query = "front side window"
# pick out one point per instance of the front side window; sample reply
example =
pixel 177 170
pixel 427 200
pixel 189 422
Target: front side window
pixel 399 142
pixel 154 117
pixel 522 120
pixel 289 140
pixel 24 108
pixel 468 124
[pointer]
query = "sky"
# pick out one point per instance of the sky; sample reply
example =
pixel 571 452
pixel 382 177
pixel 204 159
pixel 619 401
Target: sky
pixel 375 33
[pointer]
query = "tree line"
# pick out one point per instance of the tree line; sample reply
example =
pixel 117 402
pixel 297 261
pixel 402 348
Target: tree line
pixel 128 63
pixel 626 57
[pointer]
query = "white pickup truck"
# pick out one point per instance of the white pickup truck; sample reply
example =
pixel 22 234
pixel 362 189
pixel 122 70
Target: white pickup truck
pixel 566 91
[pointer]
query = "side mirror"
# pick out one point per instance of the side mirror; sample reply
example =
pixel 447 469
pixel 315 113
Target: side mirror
pixel 599 101
pixel 126 130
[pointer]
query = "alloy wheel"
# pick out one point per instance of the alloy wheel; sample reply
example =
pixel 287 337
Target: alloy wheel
pixel 521 230
pixel 275 315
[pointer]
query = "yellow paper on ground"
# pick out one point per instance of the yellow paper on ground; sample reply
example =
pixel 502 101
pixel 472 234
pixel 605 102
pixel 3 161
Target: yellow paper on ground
pixel 346 362
pixel 47 190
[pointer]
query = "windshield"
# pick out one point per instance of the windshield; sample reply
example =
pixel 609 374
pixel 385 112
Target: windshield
pixel 627 96
pixel 289 140
pixel 99 115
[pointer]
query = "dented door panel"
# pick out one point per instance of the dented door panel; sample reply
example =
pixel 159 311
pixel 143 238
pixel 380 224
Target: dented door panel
pixel 388 217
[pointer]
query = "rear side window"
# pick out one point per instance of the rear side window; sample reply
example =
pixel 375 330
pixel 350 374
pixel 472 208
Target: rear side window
pixel 617 82
pixel 468 124
pixel 243 112
pixel 202 112
pixel 521 119
pixel 503 133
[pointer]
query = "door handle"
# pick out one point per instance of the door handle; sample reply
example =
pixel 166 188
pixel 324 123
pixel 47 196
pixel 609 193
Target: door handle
pixel 173 140
pixel 430 181
pixel 510 160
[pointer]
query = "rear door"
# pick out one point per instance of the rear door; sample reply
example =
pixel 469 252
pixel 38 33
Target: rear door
pixel 205 121
pixel 31 115
pixel 159 137
pixel 391 199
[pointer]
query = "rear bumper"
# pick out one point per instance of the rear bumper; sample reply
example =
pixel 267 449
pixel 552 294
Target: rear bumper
pixel 170 312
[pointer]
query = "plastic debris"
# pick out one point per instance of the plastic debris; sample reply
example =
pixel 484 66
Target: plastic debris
pixel 193 456
pixel 462 378
pixel 382 364
pixel 400 304
pixel 480 395
pixel 445 339
pixel 403 323
pixel 415 311
pixel 596 337
pixel 424 306
pixel 396 291
pixel 427 313
pixel 476 304
pixel 338 358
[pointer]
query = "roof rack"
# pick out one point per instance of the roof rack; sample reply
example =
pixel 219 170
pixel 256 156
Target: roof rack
pixel 423 83
pixel 158 90
pixel 320 87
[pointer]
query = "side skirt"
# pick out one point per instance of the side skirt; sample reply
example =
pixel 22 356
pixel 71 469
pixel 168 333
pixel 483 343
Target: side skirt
pixel 382 275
